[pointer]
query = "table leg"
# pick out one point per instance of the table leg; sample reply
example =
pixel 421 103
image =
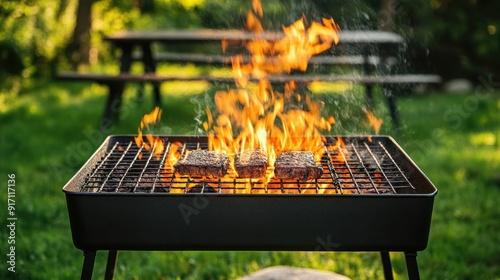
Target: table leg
pixel 150 67
pixel 386 263
pixel 111 264
pixel 116 90
pixel 126 58
pixel 390 91
pixel 370 102
pixel 368 70
pixel 113 104
pixel 88 265
pixel 393 108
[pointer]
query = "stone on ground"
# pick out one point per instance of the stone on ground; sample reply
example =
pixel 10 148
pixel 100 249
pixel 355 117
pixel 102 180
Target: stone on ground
pixel 293 273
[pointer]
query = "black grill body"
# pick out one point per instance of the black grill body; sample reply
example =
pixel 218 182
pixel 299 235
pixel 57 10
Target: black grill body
pixel 249 222
pixel 111 215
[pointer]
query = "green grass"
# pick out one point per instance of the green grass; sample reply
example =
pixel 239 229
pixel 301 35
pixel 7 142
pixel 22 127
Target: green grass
pixel 48 130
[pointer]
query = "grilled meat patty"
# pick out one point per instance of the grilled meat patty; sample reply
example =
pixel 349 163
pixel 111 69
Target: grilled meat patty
pixel 251 164
pixel 203 163
pixel 297 165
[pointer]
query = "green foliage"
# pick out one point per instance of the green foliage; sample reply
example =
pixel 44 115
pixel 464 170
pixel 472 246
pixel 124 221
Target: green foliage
pixel 170 14
pixel 472 27
pixel 458 38
pixel 223 14
pixel 109 16
pixel 353 15
pixel 462 36
pixel 232 14
pixel 36 30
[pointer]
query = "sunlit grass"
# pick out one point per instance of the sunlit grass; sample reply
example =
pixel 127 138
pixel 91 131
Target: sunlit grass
pixel 483 139
pixel 325 87
pixel 187 70
pixel 221 72
pixel 178 88
pixel 48 130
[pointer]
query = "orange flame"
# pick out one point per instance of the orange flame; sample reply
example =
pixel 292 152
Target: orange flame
pixel 153 143
pixel 257 8
pixel 292 52
pixel 251 117
pixel 253 23
pixel 173 154
pixel 374 122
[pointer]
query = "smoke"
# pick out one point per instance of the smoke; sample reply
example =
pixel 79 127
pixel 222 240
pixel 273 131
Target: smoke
pixel 348 106
pixel 200 104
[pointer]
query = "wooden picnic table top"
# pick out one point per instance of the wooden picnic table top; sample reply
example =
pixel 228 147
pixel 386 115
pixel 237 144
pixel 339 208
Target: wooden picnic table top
pixel 207 35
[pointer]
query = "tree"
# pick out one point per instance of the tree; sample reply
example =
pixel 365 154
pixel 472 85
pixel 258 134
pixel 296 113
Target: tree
pixel 458 38
pixel 146 6
pixel 78 48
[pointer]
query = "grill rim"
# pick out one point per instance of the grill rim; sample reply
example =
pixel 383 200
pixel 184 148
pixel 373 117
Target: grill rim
pixel 71 188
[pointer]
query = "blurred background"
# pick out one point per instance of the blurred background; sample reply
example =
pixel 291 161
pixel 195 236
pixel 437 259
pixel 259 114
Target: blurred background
pixel 456 39
pixel 48 128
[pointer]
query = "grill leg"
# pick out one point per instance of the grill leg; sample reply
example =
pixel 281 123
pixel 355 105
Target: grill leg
pixel 88 265
pixel 411 265
pixel 386 263
pixel 110 266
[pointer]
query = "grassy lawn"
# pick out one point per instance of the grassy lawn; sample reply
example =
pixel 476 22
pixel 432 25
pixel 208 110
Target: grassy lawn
pixel 48 130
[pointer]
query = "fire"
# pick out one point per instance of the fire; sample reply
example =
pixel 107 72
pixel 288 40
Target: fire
pixel 174 154
pixel 262 119
pixel 373 121
pixel 292 52
pixel 257 7
pixel 257 116
pixel 153 143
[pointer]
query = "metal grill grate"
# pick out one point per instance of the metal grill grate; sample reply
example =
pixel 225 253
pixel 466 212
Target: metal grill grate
pixel 359 167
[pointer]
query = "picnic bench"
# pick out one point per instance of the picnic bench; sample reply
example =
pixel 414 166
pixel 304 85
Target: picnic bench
pixel 375 52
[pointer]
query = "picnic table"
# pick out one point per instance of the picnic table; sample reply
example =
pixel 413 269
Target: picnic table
pixel 371 50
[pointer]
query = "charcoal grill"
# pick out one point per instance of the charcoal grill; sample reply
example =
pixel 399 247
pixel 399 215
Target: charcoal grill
pixel 371 197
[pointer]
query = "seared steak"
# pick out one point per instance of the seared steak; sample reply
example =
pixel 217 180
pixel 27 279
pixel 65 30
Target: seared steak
pixel 251 164
pixel 203 163
pixel 297 165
